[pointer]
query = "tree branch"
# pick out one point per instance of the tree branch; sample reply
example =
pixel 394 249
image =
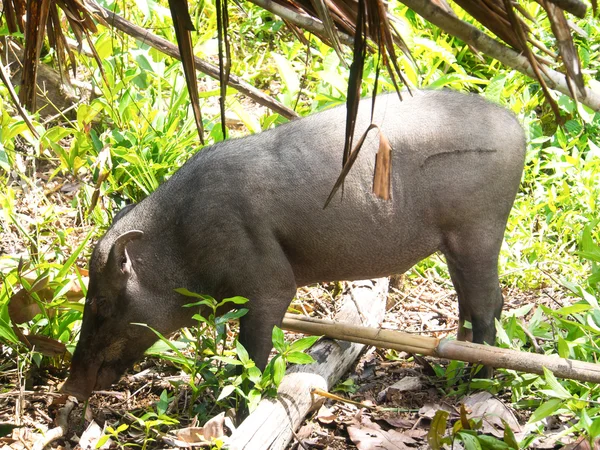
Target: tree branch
pixel 170 49
pixel 495 49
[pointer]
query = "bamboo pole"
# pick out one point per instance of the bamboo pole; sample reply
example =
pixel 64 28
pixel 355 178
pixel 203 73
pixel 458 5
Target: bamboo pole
pixel 445 348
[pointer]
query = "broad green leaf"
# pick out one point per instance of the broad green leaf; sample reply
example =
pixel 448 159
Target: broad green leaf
pixel 492 443
pixel 187 293
pixel 227 390
pixel 237 300
pixel 278 339
pixel 437 429
pixel 558 389
pixel 102 440
pixel 493 90
pixel 299 358
pixel 563 348
pixel 288 74
pixel 254 397
pixel 594 429
pixel 242 353
pixel 509 436
pixel 545 409
pixel 228 360
pixel 471 442
pixel 278 370
pixel 303 344
pixel 231 315
pixel 254 374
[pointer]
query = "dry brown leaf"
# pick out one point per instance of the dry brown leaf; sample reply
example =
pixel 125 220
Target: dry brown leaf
pixel 483 405
pixel 382 178
pixel 429 409
pixel 46 346
pixel 191 435
pixel 212 429
pixel 215 427
pixel 305 431
pixel 398 422
pixel 22 307
pixel 372 437
pixel 325 415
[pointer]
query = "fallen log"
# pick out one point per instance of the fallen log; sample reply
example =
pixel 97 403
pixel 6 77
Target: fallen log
pixel 272 424
pixel 446 348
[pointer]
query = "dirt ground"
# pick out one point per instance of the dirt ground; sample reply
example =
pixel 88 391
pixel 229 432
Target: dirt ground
pixel 399 394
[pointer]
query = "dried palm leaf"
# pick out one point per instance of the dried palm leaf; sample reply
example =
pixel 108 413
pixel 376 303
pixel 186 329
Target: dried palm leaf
pixel 42 18
pixel 183 25
pixel 566 47
pixel 522 38
pixel 322 12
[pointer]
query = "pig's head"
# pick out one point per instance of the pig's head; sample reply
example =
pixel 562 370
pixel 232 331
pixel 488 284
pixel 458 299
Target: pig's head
pixel 118 297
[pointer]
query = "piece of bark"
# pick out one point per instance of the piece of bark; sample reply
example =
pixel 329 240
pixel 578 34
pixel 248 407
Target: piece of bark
pixel 270 426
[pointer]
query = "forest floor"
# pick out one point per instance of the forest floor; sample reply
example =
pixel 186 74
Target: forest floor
pixel 401 393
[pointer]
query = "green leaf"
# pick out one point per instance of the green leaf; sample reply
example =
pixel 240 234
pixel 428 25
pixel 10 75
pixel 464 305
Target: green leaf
pixel 299 358
pixel 437 429
pixel 558 389
pixel 254 374
pixel 492 443
pixel 67 265
pixel 278 340
pixel 303 344
pixel 595 429
pixel 563 347
pixel 227 390
pixel 278 370
pixel 509 436
pixel 7 428
pixel 102 440
pixel 228 360
pixel 254 397
pixel 237 300
pixel 288 74
pixel 231 315
pixel 493 90
pixel 471 442
pixel 188 293
pixel 242 353
pixel 545 409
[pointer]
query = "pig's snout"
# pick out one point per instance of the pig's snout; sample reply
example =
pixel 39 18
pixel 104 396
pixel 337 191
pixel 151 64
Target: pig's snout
pixel 82 381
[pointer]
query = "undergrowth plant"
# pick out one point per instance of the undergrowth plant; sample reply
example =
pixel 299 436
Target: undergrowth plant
pixel 223 369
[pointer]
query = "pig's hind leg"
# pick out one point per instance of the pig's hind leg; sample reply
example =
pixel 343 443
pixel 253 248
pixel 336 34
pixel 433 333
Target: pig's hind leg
pixel 472 257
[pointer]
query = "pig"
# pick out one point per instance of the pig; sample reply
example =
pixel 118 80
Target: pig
pixel 246 217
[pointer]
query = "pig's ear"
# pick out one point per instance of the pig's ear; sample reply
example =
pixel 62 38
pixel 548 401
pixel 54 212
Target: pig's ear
pixel 118 252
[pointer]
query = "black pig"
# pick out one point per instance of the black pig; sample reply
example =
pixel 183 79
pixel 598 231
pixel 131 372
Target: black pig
pixel 245 217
